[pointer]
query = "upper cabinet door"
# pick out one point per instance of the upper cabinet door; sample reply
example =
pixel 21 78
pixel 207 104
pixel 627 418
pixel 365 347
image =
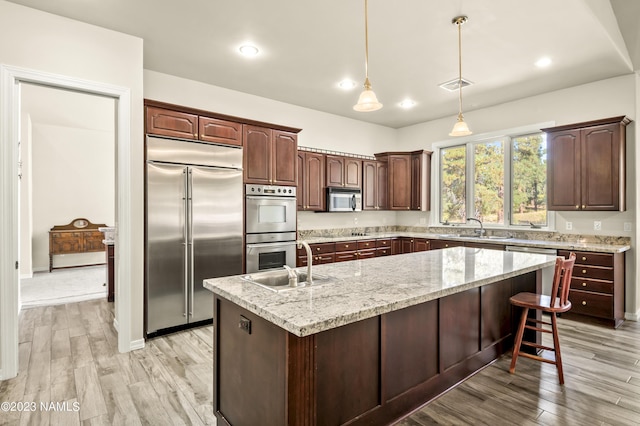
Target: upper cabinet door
pixel 283 154
pixel 352 173
pixel 220 131
pixel 563 170
pixel 335 171
pixel 257 155
pixel 600 162
pixel 165 122
pixel 369 185
pixel 400 182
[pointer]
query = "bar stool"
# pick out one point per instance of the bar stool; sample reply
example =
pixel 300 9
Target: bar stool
pixel 553 304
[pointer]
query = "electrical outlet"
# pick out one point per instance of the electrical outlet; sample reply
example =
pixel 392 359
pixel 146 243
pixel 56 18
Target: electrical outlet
pixel 627 226
pixel 245 324
pixel 597 225
pixel 569 226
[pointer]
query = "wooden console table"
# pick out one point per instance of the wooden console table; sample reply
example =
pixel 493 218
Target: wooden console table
pixel 79 236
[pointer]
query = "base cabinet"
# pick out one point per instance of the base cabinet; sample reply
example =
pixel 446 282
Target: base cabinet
pixel 597 287
pixel 371 372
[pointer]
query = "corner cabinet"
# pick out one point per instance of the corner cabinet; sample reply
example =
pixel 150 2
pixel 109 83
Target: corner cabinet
pixel 586 165
pixel 270 156
pixel 311 167
pixel 408 179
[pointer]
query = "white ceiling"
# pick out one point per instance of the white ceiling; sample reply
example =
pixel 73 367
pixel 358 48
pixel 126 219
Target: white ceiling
pixel 307 47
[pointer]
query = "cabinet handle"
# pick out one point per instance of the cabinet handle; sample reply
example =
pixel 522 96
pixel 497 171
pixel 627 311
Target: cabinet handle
pixel 346 245
pixel 318 248
pixel 584 258
pixel 577 207
pixel 584 271
pixel 584 303
pixel 584 284
pixel 584 207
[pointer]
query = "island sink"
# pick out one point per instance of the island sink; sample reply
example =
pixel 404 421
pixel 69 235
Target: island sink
pixel 278 279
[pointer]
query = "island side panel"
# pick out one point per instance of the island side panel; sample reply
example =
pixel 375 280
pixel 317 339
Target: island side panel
pixel 347 371
pixel 409 348
pixel 496 316
pixel 249 368
pixel 459 327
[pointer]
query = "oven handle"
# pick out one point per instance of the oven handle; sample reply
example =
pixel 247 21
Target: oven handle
pixel 262 245
pixel 266 197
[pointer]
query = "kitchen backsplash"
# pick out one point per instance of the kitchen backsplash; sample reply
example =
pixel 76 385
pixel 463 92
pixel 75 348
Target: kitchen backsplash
pixel 524 235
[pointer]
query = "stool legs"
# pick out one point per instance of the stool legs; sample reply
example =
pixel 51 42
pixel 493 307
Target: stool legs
pixel 556 345
pixel 518 341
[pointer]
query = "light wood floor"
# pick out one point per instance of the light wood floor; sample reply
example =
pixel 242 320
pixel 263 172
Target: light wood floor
pixel 69 353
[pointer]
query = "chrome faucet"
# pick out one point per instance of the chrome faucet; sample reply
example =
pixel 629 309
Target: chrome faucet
pixel 304 244
pixel 293 277
pixel 481 230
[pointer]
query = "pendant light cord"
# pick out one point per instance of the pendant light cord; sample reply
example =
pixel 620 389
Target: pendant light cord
pixel 459 24
pixel 366 41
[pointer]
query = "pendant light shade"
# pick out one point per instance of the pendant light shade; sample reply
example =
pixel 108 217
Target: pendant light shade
pixel 368 101
pixel 460 128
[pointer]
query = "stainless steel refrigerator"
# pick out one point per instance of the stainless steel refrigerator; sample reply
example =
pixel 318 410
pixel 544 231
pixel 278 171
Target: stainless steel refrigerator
pixel 194 223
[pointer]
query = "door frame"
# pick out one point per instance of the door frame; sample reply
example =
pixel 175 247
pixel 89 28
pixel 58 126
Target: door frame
pixel 10 79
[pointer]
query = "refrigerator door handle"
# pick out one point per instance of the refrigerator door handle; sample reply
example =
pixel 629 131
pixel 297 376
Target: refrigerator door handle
pixel 186 239
pixel 192 254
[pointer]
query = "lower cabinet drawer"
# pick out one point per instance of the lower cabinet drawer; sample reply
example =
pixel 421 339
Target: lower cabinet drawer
pixel 365 254
pixel 598 272
pixel 383 252
pixel 347 246
pixel 366 244
pixel 345 256
pixel 597 286
pixel 588 303
pixel 317 259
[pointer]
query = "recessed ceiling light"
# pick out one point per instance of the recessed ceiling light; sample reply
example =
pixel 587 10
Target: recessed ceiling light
pixel 543 62
pixel 248 50
pixel 407 103
pixel 347 84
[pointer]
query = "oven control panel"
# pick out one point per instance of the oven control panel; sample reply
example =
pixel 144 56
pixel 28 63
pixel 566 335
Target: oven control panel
pixel 270 190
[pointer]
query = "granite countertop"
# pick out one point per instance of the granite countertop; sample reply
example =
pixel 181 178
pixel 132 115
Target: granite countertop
pixel 366 288
pixel 560 245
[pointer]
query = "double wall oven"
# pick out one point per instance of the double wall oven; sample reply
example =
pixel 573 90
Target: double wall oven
pixel 270 222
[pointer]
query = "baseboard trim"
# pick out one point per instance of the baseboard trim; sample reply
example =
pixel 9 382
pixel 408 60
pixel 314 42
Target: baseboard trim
pixel 137 344
pixel 26 276
pixel 631 316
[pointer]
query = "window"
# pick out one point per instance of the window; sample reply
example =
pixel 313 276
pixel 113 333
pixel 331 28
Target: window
pixel 529 177
pixel 508 184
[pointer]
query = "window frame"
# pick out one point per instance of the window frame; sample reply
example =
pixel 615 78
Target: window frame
pixel 506 136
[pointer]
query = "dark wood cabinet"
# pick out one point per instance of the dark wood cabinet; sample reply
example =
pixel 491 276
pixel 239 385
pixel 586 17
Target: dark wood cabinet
pixel 270 156
pixel 111 273
pixel 166 122
pixel 408 179
pixel 343 172
pixel 375 178
pixel 586 165
pixel 442 244
pixel 420 180
pixel 311 190
pixel 597 287
pixel 219 131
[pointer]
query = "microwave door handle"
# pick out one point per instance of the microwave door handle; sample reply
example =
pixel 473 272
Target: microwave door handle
pixel 353 202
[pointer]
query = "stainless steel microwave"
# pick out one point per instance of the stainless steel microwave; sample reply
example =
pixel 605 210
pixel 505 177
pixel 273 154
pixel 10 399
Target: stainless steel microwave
pixel 344 199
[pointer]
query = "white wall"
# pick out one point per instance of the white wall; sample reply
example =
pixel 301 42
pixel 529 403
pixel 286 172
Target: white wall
pixel 73 177
pixel 606 98
pixel 44 42
pixel 319 129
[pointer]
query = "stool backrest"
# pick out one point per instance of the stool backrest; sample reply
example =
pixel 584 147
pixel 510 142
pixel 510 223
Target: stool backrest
pixel 562 279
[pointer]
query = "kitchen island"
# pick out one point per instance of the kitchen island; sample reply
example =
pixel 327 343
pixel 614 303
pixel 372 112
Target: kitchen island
pixel 379 339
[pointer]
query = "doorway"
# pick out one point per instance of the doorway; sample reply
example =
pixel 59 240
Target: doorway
pixel 67 172
pixel 11 80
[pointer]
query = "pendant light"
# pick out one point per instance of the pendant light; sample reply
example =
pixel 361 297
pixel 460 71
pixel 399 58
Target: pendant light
pixel 460 128
pixel 367 100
